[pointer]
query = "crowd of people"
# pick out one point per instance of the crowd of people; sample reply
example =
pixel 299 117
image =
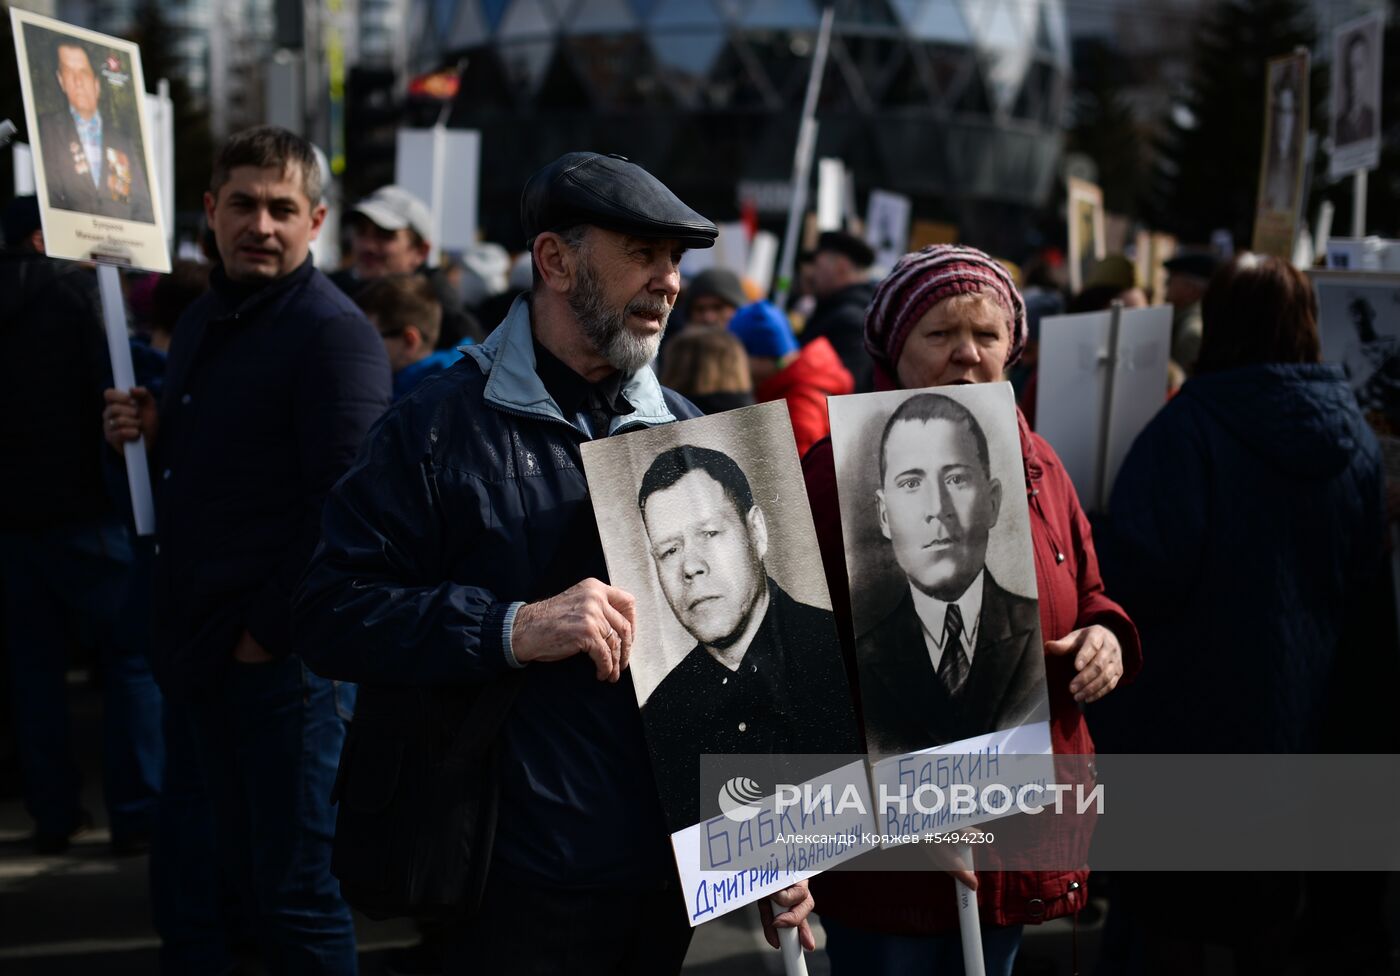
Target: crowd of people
pixel 372 655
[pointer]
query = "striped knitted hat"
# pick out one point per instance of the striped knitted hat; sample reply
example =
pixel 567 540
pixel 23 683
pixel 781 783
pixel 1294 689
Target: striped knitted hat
pixel 924 278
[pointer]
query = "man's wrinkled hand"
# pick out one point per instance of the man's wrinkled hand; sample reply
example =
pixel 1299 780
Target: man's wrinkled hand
pixel 796 904
pixel 590 618
pixel 1098 661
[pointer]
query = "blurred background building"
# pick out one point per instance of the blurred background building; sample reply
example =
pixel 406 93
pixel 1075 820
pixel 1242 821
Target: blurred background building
pixel 976 109
pixel 959 104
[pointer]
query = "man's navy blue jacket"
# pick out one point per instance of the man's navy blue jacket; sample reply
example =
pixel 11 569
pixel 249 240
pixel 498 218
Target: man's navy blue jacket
pixel 268 394
pixel 470 496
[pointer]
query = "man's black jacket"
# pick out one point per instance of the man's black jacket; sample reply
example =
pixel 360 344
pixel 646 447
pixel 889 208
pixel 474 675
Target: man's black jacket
pixel 268 394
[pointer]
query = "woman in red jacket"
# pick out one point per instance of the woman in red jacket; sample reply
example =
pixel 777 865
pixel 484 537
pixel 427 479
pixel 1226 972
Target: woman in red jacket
pixel 947 315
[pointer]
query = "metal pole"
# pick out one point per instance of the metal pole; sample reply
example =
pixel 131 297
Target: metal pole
pixel 1110 361
pixel 138 475
pixel 969 922
pixel 1358 196
pixel 802 159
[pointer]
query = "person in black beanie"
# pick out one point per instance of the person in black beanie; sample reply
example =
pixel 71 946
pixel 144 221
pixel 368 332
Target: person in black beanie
pixel 841 283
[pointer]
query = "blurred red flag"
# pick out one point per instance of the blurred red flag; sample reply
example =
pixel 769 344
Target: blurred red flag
pixel 436 85
pixel 748 215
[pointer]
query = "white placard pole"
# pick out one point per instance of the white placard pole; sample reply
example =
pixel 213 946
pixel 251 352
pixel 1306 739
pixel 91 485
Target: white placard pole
pixel 1109 359
pixel 969 923
pixel 439 181
pixel 138 475
pixel 1358 208
pixel 23 158
pixel 793 962
pixel 1324 228
pixel 802 159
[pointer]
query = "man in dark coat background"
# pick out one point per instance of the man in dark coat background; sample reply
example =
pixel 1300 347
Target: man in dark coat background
pixel 274 377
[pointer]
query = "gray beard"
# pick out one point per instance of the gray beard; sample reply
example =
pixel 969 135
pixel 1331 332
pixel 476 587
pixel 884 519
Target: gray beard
pixel 606 327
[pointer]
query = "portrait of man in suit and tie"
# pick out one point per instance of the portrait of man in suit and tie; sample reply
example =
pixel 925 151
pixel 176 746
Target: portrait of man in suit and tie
pixel 959 654
pixel 1355 114
pixel 89 140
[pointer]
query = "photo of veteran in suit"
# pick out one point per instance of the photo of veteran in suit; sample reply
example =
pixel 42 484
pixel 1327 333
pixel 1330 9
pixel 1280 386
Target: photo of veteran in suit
pixel 959 655
pixel 89 130
pixel 765 672
pixel 1354 112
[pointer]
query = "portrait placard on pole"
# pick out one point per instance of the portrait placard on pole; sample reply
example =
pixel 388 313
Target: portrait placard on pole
pixel 1099 385
pixel 735 655
pixel 96 179
pixel 887 226
pixel 936 528
pixel 1358 319
pixel 1086 231
pixel 1284 159
pixel 1357 67
pixel 95 172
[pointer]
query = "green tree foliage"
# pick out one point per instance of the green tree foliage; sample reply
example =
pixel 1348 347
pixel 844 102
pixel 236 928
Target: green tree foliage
pixel 1206 170
pixel 193 143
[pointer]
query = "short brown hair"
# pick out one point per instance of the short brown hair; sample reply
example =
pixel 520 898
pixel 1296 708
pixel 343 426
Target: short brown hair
pixel 397 301
pixel 704 360
pixel 1258 310
pixel 268 145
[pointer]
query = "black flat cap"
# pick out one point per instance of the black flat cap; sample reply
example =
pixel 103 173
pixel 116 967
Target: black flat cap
pixel 1198 264
pixel 610 192
pixel 862 255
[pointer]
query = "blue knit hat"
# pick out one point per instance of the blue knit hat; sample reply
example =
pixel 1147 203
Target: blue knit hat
pixel 763 330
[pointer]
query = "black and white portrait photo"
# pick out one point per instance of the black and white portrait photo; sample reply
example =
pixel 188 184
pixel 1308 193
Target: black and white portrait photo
pixel 1359 324
pixel 85 103
pixel 937 537
pixel 1356 94
pixel 707 524
pixel 1281 179
pixel 1278 203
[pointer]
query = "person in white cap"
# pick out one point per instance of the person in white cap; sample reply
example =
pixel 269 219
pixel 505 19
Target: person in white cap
pixel 391 233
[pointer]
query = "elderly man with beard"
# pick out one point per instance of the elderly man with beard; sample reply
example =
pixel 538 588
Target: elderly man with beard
pixel 461 582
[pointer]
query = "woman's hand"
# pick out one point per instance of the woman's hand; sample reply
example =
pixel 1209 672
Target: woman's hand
pixel 1098 659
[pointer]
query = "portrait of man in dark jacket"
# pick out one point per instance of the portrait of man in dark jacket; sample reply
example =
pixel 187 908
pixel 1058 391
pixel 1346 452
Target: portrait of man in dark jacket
pixel 765 673
pixel 94 161
pixel 959 655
